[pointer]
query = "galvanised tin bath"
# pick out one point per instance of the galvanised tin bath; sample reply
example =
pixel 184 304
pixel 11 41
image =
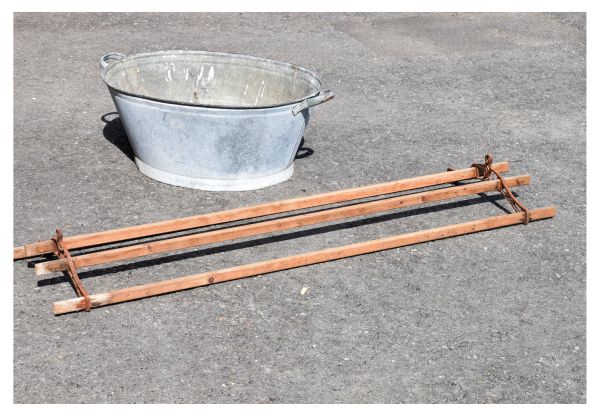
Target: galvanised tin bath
pixel 210 120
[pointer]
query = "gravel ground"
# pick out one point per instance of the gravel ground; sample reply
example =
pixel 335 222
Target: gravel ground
pixel 493 317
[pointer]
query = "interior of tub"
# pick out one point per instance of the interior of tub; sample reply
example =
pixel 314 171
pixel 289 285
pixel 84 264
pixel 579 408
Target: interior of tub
pixel 211 79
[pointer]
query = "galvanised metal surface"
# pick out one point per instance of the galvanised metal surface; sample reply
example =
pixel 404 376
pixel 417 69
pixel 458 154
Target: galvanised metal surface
pixel 212 121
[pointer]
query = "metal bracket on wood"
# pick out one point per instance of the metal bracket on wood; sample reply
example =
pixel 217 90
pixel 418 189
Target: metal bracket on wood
pixel 63 253
pixel 485 170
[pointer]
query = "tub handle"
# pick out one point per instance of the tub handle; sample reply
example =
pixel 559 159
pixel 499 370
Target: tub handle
pixel 322 97
pixel 111 55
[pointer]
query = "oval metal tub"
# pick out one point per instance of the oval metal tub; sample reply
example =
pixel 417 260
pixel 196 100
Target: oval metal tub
pixel 210 120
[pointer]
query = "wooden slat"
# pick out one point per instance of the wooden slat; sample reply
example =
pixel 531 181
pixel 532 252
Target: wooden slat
pixel 19 252
pixel 195 240
pixel 300 260
pixel 180 224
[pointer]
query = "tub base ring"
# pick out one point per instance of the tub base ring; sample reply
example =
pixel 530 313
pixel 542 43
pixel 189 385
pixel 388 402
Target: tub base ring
pixel 208 184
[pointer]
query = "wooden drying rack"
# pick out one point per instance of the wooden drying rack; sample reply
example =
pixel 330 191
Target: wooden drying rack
pixel 70 263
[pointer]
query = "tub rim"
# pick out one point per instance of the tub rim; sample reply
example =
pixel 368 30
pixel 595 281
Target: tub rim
pixel 122 57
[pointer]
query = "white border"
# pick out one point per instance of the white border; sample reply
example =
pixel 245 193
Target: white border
pixel 305 5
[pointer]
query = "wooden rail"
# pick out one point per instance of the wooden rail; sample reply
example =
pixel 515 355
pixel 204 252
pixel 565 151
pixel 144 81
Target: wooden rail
pixel 180 224
pixel 300 260
pixel 194 240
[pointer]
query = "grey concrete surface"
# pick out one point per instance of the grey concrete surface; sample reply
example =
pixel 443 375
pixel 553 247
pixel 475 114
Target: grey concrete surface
pixel 492 317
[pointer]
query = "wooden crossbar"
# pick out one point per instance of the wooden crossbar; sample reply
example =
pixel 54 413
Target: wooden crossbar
pixel 300 260
pixel 180 224
pixel 195 240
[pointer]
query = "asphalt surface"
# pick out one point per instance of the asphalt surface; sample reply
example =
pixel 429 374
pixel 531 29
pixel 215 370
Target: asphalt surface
pixel 492 317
